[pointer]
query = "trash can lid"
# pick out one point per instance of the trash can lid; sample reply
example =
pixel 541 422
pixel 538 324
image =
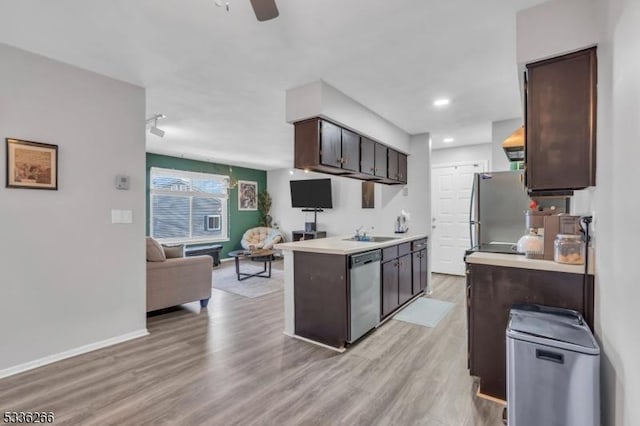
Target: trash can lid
pixel 556 324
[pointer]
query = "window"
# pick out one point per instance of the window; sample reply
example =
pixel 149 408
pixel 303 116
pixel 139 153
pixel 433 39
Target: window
pixel 188 206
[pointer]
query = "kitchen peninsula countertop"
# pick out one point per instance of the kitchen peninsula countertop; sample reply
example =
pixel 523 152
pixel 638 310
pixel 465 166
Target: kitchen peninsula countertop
pixel 518 261
pixel 344 245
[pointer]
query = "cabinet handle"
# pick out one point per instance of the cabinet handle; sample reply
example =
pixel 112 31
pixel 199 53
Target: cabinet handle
pixel 344 161
pixel 339 160
pixel 373 169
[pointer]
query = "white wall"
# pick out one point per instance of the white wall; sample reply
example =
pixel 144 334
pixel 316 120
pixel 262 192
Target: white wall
pixel 463 154
pixel 500 130
pixel 347 214
pixel 556 27
pixel 69 278
pixel 319 99
pixel 617 204
pixel 613 200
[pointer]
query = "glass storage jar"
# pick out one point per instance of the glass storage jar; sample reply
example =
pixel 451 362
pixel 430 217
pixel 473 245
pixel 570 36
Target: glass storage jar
pixel 569 249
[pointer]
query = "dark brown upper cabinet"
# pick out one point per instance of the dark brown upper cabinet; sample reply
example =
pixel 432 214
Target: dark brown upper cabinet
pixel 350 151
pixel 396 167
pixel 392 165
pixel 323 146
pixel 367 156
pixel 560 122
pixel 330 144
pixel 380 169
pixel 402 167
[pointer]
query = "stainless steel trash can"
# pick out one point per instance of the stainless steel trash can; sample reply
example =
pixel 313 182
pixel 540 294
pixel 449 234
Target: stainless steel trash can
pixel 553 364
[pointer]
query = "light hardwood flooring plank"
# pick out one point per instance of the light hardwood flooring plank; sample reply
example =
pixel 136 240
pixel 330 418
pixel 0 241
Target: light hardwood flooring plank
pixel 231 365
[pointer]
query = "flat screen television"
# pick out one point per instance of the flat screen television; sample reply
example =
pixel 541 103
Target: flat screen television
pixel 311 194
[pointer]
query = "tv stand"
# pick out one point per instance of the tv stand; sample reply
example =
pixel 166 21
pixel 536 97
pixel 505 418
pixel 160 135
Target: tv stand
pixel 307 235
pixel 312 226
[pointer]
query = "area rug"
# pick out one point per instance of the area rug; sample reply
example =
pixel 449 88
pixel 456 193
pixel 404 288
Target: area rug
pixel 424 311
pixel 225 279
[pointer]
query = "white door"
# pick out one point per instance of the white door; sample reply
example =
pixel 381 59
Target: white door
pixel 450 198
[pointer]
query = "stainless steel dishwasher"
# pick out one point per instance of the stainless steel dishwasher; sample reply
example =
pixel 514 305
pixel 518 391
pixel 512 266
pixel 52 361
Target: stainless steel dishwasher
pixel 364 293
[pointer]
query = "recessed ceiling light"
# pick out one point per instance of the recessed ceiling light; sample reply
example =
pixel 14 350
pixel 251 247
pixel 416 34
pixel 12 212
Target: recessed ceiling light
pixel 290 172
pixel 447 140
pixel 441 102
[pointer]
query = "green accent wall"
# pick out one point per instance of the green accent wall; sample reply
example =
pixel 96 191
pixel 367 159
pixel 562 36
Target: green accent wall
pixel 239 221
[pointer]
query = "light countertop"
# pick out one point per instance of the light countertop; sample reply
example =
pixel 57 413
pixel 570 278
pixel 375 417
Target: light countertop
pixel 338 245
pixel 517 261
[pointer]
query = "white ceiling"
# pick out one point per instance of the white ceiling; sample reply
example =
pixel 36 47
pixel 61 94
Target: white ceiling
pixel 220 77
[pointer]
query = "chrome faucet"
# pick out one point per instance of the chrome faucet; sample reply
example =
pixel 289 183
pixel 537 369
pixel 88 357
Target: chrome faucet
pixel 358 236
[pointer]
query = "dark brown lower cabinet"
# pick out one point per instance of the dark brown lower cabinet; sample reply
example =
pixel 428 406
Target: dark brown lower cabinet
pixel 419 264
pixel 491 291
pixel 389 287
pixel 320 296
pixel 404 274
pixel 405 279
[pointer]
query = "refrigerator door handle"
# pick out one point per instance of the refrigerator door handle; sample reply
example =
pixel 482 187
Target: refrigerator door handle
pixel 472 222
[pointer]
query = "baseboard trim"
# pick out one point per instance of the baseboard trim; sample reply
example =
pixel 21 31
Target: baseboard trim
pixel 304 339
pixel 20 368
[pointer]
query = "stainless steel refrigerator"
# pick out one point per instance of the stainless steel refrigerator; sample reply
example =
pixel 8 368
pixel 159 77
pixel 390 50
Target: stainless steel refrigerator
pixel 496 214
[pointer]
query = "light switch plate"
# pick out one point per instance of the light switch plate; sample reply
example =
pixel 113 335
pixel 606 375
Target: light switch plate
pixel 121 216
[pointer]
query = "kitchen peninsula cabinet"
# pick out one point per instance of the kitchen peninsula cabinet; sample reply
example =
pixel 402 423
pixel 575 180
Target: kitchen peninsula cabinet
pixel 326 147
pixel 327 302
pixel 560 122
pixel 492 290
pixel 399 281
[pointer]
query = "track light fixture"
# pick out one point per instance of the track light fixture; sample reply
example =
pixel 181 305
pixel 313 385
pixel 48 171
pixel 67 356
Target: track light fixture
pixel 153 125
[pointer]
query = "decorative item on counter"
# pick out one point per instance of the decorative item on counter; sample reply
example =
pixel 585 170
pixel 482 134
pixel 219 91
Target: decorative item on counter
pixel 402 222
pixel 569 249
pixel 532 245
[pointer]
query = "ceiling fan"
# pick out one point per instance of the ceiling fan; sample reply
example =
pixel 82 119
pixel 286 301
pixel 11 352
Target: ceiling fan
pixel 264 9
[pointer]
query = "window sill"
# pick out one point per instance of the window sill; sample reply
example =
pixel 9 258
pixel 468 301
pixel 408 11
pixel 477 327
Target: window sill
pixel 193 242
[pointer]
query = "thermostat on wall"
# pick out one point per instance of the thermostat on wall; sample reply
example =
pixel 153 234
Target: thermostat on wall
pixel 122 182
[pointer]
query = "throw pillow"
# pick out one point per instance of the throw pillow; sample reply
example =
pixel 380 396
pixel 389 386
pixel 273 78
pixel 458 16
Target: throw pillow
pixel 173 252
pixel 154 251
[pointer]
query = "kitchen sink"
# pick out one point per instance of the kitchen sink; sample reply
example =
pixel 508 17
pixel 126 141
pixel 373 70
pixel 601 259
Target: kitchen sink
pixel 371 239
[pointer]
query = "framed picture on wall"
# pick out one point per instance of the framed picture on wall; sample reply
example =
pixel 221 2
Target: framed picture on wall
pixel 31 165
pixel 247 195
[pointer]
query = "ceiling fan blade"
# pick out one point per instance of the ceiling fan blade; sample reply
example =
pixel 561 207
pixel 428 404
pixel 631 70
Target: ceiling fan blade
pixel 265 9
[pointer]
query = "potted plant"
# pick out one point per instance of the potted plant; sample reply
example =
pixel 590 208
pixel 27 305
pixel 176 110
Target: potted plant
pixel 264 207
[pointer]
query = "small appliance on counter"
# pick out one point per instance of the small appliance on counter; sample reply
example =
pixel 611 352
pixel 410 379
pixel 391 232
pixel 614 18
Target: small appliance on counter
pixel 532 245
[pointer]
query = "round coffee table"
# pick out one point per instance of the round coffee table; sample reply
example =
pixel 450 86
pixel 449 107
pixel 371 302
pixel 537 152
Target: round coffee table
pixel 265 256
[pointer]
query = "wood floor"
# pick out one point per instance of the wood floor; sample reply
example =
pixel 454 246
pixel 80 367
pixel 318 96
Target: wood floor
pixel 231 365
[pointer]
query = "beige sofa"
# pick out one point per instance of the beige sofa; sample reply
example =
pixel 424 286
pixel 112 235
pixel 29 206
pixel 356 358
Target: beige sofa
pixel 176 281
